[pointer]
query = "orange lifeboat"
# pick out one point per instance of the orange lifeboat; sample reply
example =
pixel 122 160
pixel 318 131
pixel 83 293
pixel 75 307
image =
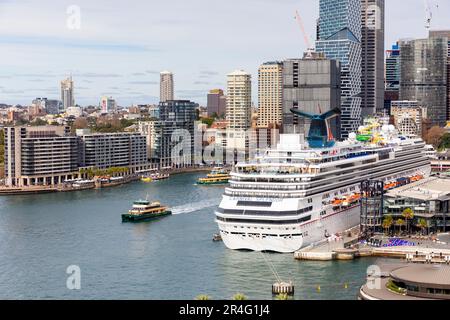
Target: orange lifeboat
pixel 389 185
pixel 337 202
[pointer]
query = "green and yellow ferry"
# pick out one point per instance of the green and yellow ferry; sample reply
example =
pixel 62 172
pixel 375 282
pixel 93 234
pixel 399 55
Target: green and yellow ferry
pixel 145 210
pixel 217 176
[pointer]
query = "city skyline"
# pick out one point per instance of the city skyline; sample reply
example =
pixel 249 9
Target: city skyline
pixel 108 57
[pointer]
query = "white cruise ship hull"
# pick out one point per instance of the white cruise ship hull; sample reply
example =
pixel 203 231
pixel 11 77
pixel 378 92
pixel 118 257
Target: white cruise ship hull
pixel 311 232
pixel 292 197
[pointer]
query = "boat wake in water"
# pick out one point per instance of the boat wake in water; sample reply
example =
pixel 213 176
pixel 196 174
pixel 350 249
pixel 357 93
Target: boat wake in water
pixel 195 206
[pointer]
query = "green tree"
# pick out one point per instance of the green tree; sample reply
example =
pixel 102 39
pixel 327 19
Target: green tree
pixel 208 121
pixel 400 223
pixel 39 122
pixel 422 224
pixel 445 141
pixel 387 223
pixel 434 136
pixel 408 214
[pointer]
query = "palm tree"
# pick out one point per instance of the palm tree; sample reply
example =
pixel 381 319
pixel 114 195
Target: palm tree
pixel 422 224
pixel 239 296
pixel 408 214
pixel 400 223
pixel 387 223
pixel 203 297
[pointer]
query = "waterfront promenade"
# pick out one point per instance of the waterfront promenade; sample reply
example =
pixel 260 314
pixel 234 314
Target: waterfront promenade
pixel 347 248
pixel 5 190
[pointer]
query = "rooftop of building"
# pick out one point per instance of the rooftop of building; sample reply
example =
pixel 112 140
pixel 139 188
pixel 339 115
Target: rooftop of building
pixel 239 73
pixel 426 274
pixel 268 63
pixel 432 188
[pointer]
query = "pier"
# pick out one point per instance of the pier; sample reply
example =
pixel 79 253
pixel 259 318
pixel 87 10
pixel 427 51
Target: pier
pixel 432 252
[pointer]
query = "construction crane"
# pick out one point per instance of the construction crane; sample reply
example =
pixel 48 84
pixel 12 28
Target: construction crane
pixel 429 13
pixel 310 48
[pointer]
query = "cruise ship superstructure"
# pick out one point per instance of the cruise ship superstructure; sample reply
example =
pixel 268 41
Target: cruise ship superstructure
pixel 295 195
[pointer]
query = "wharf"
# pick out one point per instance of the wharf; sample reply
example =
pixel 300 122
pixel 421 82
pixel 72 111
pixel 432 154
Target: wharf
pixel 5 191
pixel 331 248
pixel 347 249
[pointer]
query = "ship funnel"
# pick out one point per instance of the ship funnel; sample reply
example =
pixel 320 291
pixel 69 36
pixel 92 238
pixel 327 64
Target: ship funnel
pixel 319 135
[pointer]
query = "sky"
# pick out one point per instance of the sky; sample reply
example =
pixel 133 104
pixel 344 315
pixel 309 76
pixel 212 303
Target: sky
pixel 117 48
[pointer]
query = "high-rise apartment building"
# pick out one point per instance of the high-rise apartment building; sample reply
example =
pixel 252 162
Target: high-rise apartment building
pixel 217 103
pixel 445 34
pixel 239 109
pixel 176 121
pixel 311 84
pixel 45 155
pixel 270 94
pixel 108 105
pixel 423 65
pixel 372 47
pixel 67 97
pixel 239 100
pixel 340 39
pixel 166 89
pixel 107 150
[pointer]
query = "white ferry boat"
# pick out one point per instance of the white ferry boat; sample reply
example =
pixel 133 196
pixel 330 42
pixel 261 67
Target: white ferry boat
pixel 296 195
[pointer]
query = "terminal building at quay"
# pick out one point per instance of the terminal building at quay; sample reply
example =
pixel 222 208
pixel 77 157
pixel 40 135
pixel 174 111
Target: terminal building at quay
pixel 414 281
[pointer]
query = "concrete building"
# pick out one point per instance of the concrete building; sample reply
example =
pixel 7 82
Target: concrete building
pixel 424 76
pixel 50 106
pixel 340 39
pixel 408 117
pixel 67 93
pixel 166 89
pixel 148 130
pixel 313 85
pixel 409 281
pixel 75 112
pixel 445 34
pixel 44 155
pixel 372 45
pixel 108 105
pixel 270 94
pixel 239 100
pixel 217 103
pixel 107 150
pixel 429 199
pixel 239 109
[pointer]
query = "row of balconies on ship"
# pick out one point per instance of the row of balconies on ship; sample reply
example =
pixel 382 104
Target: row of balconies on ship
pixel 299 173
pixel 310 179
pixel 331 183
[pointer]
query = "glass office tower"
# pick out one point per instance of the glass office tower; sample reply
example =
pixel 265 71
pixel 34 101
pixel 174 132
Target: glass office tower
pixel 423 68
pixel 340 39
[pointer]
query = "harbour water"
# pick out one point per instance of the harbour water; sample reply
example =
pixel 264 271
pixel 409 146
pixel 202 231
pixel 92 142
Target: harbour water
pixel 172 258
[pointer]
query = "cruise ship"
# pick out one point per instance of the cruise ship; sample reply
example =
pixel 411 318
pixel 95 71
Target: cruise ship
pixel 302 192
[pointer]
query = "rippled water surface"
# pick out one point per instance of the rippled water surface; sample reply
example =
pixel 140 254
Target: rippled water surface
pixel 172 258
